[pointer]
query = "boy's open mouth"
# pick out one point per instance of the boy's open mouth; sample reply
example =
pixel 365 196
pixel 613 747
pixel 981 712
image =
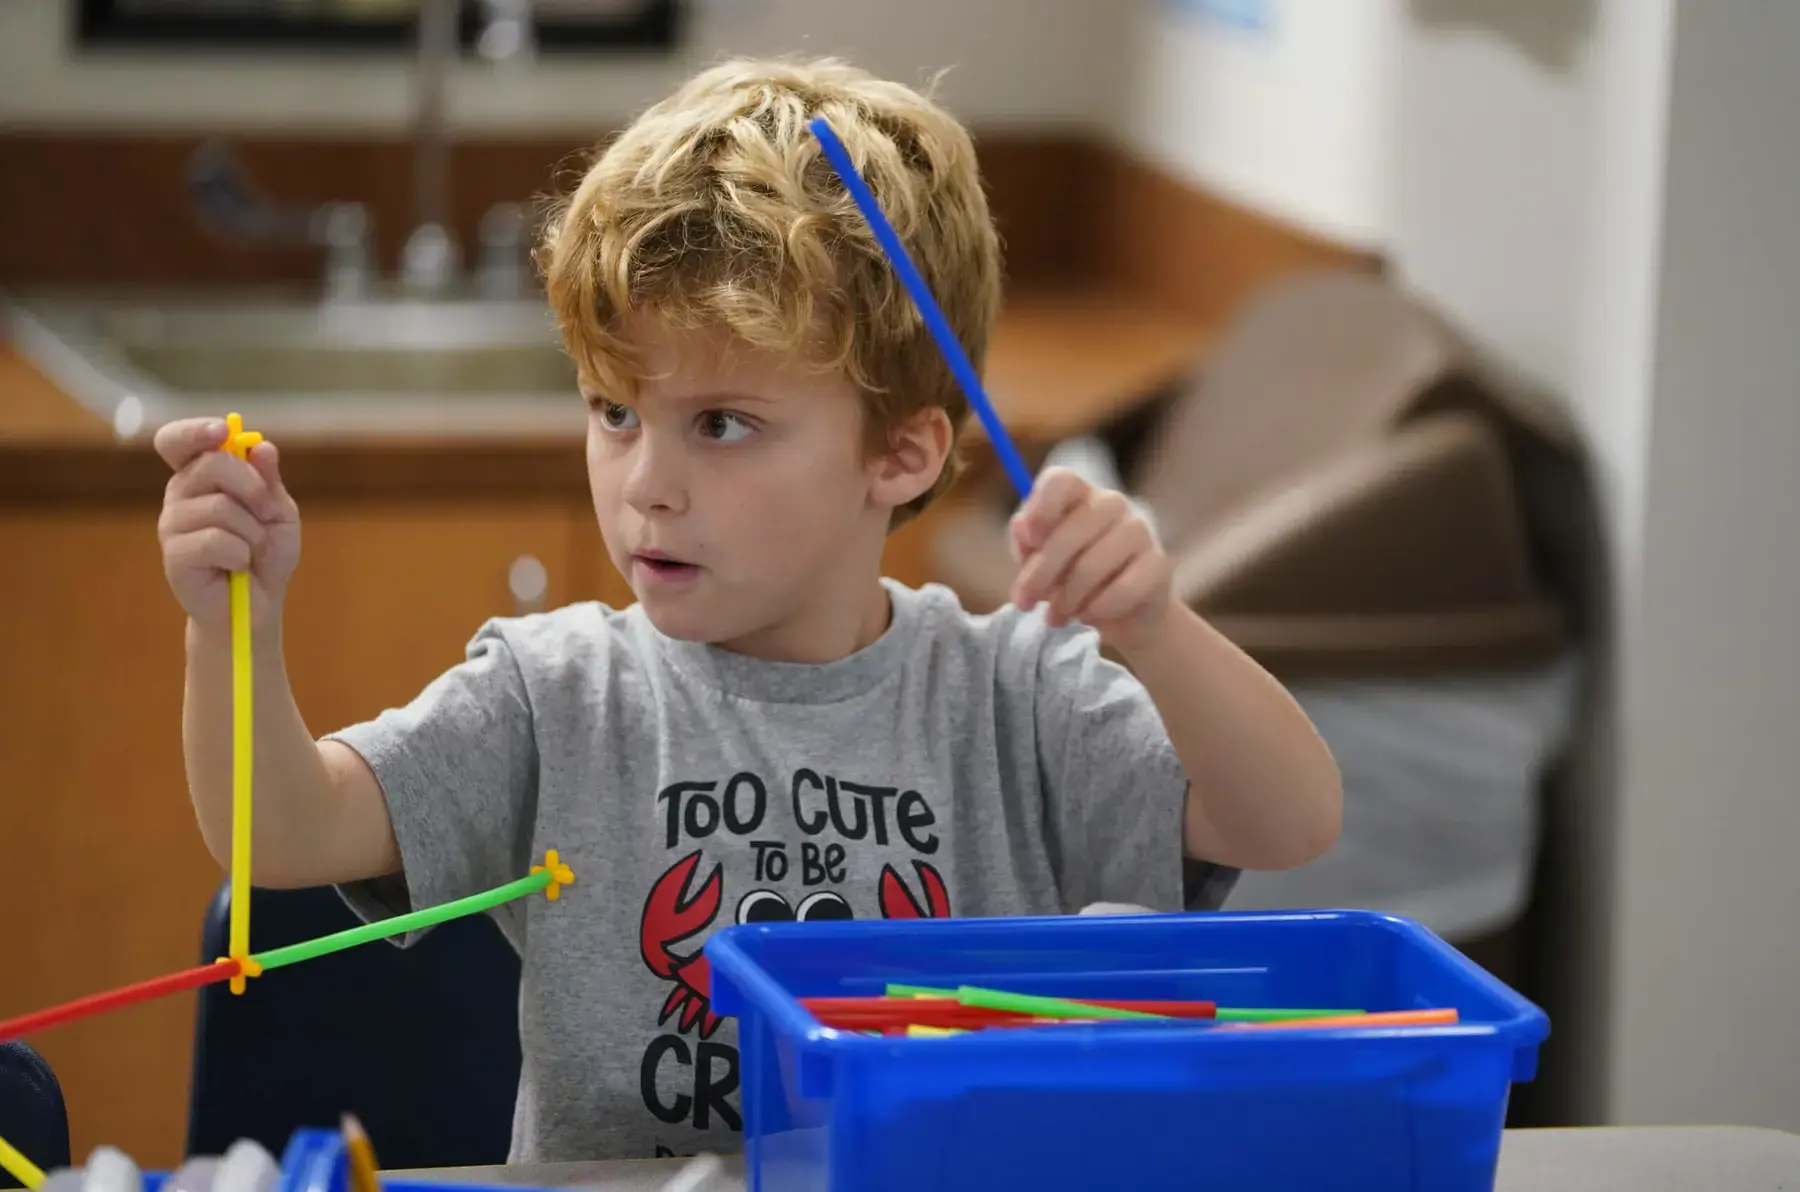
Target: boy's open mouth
pixel 662 566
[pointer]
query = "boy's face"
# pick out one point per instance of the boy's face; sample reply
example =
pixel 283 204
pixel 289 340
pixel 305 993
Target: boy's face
pixel 736 497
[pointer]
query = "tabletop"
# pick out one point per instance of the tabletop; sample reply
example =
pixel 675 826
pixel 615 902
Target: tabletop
pixel 1612 1159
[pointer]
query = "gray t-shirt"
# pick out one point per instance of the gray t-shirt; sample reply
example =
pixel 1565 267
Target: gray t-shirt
pixel 959 765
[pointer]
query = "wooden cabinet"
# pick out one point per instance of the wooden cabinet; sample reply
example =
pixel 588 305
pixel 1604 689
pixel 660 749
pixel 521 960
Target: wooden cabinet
pixel 105 878
pixel 388 595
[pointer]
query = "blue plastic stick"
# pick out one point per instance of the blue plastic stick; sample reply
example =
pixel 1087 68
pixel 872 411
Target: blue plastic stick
pixel 947 343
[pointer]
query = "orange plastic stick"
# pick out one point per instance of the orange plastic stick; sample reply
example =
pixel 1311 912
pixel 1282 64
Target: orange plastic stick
pixel 113 999
pixel 1383 1018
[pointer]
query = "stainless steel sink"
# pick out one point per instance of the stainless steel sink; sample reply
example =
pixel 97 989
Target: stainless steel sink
pixel 295 360
pixel 322 371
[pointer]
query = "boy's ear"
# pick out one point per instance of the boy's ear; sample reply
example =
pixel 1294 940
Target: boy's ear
pixel 917 451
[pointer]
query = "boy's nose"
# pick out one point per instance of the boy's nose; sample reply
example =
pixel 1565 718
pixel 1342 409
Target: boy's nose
pixel 656 480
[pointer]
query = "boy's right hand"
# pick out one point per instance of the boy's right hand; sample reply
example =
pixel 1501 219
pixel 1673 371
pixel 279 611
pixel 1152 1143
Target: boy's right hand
pixel 222 514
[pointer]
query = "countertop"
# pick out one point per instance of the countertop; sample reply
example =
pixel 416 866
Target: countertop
pixel 1062 362
pixel 1641 1159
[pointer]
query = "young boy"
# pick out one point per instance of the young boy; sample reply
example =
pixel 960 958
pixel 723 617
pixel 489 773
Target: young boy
pixel 773 730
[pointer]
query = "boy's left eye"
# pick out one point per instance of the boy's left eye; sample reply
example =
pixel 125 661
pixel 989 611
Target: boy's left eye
pixel 724 427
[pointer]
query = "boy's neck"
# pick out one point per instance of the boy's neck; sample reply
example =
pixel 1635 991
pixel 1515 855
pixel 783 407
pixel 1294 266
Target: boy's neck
pixel 824 632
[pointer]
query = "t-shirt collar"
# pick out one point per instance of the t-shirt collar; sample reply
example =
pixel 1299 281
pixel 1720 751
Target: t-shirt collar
pixel 801 682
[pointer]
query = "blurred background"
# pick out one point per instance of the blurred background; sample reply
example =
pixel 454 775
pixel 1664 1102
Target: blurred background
pixel 1448 343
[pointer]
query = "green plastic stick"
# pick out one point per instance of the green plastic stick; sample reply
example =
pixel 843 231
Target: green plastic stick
pixel 474 903
pixel 1041 1007
pixel 1239 1014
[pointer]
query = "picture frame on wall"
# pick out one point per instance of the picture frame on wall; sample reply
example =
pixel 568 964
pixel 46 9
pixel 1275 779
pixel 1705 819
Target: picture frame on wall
pixel 368 25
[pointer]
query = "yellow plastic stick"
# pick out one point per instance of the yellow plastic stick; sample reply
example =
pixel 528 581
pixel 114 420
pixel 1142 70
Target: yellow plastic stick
pixel 18 1166
pixel 364 1173
pixel 238 442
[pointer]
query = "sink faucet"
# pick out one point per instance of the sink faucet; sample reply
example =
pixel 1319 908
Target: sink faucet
pixel 430 259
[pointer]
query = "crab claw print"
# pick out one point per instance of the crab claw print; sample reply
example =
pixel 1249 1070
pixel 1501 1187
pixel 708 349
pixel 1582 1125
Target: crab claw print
pixel 672 915
pixel 897 901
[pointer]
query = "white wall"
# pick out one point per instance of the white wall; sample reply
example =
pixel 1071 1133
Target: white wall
pixel 1613 328
pixel 1601 191
pixel 1488 212
pixel 1513 162
pixel 1708 938
pixel 1015 63
pixel 1293 121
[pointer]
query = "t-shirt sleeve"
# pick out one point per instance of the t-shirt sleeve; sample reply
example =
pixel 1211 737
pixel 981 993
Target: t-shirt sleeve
pixel 458 768
pixel 1116 792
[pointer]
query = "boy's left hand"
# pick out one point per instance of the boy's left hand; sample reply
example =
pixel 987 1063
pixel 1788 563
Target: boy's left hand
pixel 1093 557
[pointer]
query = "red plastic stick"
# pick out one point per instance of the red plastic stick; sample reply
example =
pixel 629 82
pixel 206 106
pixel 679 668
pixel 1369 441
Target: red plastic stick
pixel 99 1003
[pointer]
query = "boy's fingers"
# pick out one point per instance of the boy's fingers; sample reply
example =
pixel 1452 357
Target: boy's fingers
pixel 215 510
pixel 1056 492
pixel 179 442
pixel 1044 570
pixel 266 459
pixel 215 548
pixel 220 471
pixel 1094 570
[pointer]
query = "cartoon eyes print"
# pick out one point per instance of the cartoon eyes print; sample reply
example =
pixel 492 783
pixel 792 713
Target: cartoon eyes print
pixel 825 904
pixel 763 906
pixel 766 906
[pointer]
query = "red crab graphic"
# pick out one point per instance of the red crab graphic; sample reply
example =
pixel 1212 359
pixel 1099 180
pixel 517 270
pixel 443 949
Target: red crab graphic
pixel 897 902
pixel 670 916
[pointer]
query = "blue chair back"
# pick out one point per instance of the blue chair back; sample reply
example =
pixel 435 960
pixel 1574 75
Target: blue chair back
pixel 421 1043
pixel 32 1114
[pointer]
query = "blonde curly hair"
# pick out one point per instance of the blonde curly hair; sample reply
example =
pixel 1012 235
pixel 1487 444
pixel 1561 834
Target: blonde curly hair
pixel 716 208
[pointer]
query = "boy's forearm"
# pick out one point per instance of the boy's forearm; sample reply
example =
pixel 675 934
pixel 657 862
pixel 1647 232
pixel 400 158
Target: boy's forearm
pixel 1264 792
pixel 292 787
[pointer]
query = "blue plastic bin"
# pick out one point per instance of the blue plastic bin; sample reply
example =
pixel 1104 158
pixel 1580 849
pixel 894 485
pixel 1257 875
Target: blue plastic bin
pixel 1124 1106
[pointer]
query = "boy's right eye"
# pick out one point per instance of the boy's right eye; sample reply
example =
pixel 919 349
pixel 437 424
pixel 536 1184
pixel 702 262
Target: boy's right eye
pixel 615 416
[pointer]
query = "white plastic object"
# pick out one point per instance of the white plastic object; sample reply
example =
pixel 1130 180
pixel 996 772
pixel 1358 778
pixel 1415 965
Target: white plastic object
pixel 246 1167
pixel 694 1174
pixel 194 1175
pixel 110 1169
pixel 63 1179
pixel 1116 908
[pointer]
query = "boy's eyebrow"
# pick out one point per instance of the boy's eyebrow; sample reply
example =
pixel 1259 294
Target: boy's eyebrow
pixel 704 400
pixel 722 397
